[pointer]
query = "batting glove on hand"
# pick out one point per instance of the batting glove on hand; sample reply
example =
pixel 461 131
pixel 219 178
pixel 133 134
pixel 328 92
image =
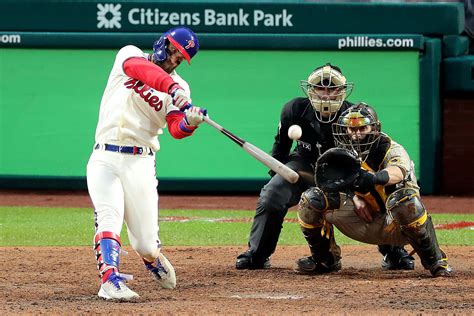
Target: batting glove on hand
pixel 180 97
pixel 194 115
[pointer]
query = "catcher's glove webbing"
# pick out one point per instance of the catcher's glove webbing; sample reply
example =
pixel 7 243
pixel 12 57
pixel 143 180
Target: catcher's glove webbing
pixel 336 170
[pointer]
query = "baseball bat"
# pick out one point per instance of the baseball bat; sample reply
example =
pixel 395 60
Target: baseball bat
pixel 287 173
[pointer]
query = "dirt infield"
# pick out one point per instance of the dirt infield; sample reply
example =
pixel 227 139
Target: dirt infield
pixel 62 280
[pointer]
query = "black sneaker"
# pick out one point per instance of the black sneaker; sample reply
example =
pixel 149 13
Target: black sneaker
pixel 247 261
pixel 308 265
pixel 398 258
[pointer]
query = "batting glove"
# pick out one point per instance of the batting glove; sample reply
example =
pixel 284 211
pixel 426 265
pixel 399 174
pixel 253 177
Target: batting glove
pixel 180 97
pixel 194 115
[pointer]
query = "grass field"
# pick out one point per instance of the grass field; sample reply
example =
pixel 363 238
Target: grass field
pixel 38 226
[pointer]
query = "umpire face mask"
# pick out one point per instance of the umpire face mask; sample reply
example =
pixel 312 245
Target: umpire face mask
pixel 326 89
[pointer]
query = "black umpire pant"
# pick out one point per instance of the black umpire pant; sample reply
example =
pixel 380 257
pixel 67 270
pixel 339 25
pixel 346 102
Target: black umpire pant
pixel 276 197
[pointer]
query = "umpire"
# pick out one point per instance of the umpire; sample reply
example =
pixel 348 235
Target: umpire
pixel 326 90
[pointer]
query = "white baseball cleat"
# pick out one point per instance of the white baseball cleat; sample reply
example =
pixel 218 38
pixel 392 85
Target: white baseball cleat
pixel 115 288
pixel 163 272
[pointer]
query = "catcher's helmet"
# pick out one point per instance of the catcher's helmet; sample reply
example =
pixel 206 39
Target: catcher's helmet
pixel 182 38
pixel 326 89
pixel 358 128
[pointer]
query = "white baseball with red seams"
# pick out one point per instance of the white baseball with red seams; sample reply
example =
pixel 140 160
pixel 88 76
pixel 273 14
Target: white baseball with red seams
pixel 123 186
pixel 295 132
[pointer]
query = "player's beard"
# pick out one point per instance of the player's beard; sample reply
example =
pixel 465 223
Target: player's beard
pixel 166 66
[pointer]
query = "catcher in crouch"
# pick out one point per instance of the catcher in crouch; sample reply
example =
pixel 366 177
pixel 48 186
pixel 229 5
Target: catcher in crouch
pixel 367 188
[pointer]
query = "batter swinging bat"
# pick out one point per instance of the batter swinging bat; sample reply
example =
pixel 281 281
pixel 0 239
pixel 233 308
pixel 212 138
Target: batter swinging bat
pixel 287 173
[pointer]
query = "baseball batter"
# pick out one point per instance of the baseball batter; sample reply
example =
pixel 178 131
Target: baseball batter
pixel 144 94
pixel 382 205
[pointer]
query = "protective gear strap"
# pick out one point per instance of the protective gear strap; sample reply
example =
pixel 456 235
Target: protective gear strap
pixel 108 235
pixel 148 73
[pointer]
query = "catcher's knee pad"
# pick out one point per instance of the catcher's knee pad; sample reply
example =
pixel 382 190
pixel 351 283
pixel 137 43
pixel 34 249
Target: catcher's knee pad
pixel 406 208
pixel 312 204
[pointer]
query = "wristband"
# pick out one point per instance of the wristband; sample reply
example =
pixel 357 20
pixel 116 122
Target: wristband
pixel 382 177
pixel 173 87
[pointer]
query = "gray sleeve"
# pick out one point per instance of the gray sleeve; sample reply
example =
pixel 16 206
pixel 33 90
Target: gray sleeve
pixel 398 156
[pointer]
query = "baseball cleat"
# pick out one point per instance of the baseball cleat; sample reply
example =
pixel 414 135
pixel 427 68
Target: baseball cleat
pixel 308 265
pixel 115 289
pixel 441 268
pixel 247 261
pixel 398 259
pixel 162 271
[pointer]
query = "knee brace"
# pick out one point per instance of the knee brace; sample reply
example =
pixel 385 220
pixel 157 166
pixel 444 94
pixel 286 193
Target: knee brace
pixel 313 203
pixel 406 208
pixel 107 252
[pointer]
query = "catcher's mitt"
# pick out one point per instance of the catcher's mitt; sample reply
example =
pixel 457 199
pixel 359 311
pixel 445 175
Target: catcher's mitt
pixel 337 169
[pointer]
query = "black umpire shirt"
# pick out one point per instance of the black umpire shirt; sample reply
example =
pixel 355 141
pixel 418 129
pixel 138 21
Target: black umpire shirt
pixel 316 138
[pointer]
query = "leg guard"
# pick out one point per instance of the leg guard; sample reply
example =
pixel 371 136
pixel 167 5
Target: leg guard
pixel 107 253
pixel 408 211
pixel 325 253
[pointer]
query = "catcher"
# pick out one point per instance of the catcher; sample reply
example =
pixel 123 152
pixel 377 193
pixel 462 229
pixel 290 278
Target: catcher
pixel 367 188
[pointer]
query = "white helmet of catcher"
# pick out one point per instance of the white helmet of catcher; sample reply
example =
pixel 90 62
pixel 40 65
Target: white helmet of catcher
pixel 326 89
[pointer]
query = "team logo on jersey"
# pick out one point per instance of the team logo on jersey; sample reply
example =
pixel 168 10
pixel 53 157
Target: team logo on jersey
pixel 190 44
pixel 145 92
pixel 109 16
pixel 304 145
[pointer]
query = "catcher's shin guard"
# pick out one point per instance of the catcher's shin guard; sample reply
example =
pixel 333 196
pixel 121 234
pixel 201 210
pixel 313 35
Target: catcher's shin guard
pixel 416 225
pixel 422 238
pixel 325 253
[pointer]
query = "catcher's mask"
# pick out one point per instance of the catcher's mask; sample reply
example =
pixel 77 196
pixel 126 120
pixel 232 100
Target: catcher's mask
pixel 182 38
pixel 326 89
pixel 358 128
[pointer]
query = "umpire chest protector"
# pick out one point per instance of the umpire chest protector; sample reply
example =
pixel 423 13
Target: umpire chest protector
pixel 316 138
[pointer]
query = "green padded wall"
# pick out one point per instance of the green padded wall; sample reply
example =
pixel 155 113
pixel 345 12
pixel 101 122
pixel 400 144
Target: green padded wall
pixel 49 101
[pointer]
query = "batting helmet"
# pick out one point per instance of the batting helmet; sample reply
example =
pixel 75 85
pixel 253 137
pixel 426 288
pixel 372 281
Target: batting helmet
pixel 182 38
pixel 326 88
pixel 358 128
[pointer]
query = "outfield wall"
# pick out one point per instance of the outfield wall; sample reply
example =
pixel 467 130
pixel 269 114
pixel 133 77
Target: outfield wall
pixel 244 92
pixel 52 80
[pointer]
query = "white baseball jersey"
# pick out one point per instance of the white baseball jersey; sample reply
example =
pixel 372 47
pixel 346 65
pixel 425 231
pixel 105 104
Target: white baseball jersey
pixel 132 113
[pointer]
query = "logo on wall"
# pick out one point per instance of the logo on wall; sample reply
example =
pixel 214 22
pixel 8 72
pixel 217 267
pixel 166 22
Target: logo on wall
pixel 109 16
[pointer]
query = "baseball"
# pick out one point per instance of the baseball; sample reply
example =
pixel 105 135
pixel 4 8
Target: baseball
pixel 295 132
